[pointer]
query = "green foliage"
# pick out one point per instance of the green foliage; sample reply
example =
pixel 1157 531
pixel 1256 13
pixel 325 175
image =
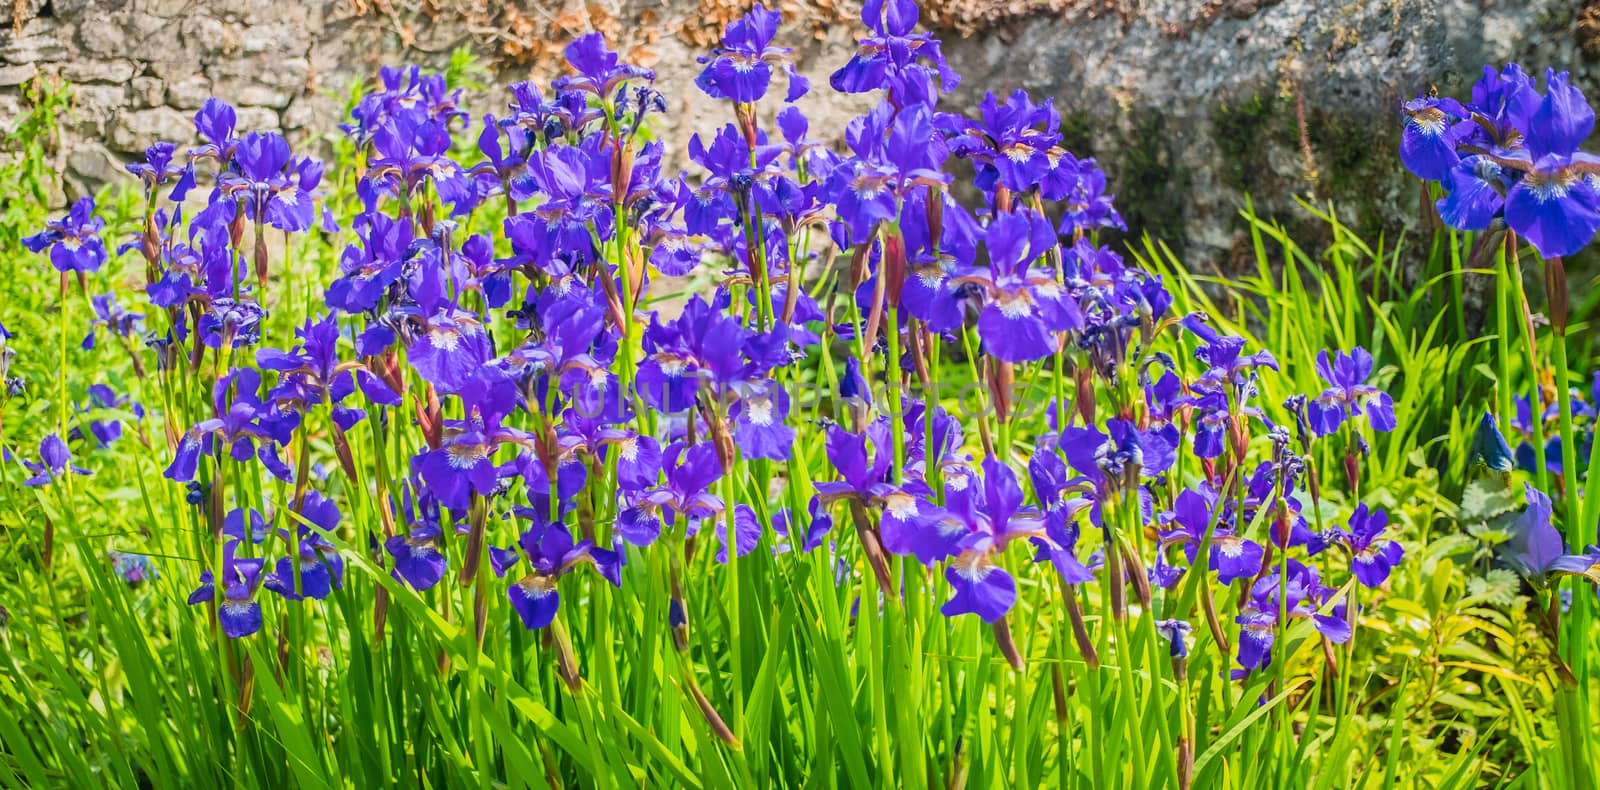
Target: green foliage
pixel 1469 657
pixel 27 177
pixel 466 70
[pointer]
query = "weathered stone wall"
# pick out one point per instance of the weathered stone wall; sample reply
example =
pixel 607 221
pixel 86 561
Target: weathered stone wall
pixel 1189 104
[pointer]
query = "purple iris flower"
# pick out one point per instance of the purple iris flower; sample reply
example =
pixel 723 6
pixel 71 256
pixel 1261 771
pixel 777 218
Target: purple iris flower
pixel 576 351
pixel 407 93
pixel 1163 397
pixel 931 293
pixel 931 446
pixel 736 171
pixel 690 472
pixel 1302 594
pixel 368 270
pixel 464 463
pixel 1517 156
pixel 981 587
pixel 417 559
pixel 553 553
pixel 1434 126
pixel 277 188
pixel 1005 145
pixel 893 57
pixel 1489 446
pixel 1212 417
pixel 1081 185
pixel 320 565
pixel 1554 205
pixel 1372 557
pixel 853 386
pixel 911 523
pixel 1224 357
pixel 239 613
pixel 409 152
pixel 1231 556
pixel 994 516
pixel 896 153
pixel 246 524
pixel 231 323
pixel 1537 550
pixel 1053 486
pixel 204 270
pixel 558 234
pixel 759 423
pixel 746 532
pixel 1176 633
pixel 859 460
pixel 1059 547
pixel 1025 306
pixel 704 344
pixel 1348 394
pixel 445 343
pixel 599 70
pixel 1500 101
pixel 159 166
pixel 1476 193
pixel 312 370
pixel 236 423
pixel 547 120
pixel 1106 459
pixel 73 240
pixel 55 462
pixel 107 431
pixel 133 569
pixel 109 314
pixel 817 527
pixel 505 147
pixel 215 122
pixel 740 69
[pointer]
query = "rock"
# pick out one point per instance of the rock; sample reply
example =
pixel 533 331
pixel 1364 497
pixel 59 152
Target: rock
pixel 277 39
pixel 95 105
pixel 11 113
pixel 202 35
pixel 189 93
pixel 312 112
pixel 17 75
pixel 40 42
pixel 272 84
pixel 175 67
pixel 257 119
pixel 148 91
pixel 102 37
pixel 94 165
pixel 169 9
pixel 68 9
pixel 134 131
pixel 19 11
pixel 99 70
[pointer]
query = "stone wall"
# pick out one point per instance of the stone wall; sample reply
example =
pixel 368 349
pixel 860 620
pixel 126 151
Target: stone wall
pixel 1188 103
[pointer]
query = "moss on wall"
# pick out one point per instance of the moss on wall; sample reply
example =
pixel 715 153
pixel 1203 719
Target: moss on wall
pixel 1152 186
pixel 1077 133
pixel 1242 131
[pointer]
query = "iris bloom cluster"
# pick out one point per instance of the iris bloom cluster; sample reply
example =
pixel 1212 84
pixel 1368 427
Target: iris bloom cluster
pixel 1510 158
pixel 496 317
